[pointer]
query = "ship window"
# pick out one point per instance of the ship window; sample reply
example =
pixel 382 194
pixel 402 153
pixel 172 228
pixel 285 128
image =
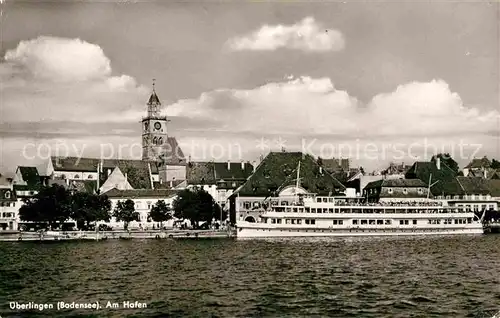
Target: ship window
pixel 372 222
pixel 364 222
pixel 307 221
pixel 341 222
pixel 388 222
pixel 354 222
pixel 380 222
pixel 313 221
pixel 278 221
pixel 414 222
pixel 299 221
pixel 401 222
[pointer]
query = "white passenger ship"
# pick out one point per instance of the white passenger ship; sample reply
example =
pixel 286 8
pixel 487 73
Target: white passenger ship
pixel 306 214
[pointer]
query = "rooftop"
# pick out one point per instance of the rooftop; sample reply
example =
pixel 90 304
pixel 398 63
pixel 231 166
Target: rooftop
pixel 279 169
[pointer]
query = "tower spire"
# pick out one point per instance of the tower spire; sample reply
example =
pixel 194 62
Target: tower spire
pixel 154 81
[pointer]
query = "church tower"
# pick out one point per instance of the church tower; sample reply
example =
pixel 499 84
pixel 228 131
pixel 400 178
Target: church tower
pixel 154 130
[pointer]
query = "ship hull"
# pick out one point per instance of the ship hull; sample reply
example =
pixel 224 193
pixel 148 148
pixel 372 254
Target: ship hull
pixel 246 232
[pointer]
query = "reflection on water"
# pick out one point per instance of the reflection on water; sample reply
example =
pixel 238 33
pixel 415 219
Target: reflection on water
pixel 370 277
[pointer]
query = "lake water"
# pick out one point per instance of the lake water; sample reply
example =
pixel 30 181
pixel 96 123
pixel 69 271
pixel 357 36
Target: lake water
pixel 372 277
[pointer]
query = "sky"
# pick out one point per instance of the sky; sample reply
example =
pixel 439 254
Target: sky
pixel 372 81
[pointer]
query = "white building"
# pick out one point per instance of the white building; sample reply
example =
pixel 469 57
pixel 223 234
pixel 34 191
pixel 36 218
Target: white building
pixel 144 201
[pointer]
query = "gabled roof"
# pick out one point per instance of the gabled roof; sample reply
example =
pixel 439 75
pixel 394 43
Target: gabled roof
pixel 90 164
pixel 278 169
pixel 116 180
pixel 479 163
pixel 137 170
pixel 7 195
pixel 213 172
pixel 446 177
pixel 142 193
pixel 30 176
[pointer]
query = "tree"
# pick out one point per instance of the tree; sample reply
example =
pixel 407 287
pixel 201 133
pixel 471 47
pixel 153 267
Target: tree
pixel 52 205
pixel 495 164
pixel 125 211
pixel 448 160
pixel 89 208
pixel 196 205
pixel 160 212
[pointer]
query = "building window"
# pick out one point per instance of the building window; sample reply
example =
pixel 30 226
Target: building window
pixel 90 177
pixel 405 191
pixel 420 191
pixel 389 190
pixel 160 141
pixel 77 176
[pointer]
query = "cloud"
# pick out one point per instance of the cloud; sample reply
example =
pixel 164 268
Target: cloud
pixel 306 106
pixel 306 35
pixel 43 80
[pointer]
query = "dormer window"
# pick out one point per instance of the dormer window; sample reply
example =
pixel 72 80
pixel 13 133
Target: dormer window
pixel 7 194
pixel 90 177
pixel 77 176
pixel 405 191
pixel 389 190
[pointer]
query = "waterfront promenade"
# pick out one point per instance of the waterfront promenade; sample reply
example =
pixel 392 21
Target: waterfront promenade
pixel 121 234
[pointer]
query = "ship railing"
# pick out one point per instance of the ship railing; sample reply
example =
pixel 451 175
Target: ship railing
pixel 389 204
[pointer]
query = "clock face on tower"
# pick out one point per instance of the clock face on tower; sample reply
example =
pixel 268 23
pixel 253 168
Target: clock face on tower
pixel 157 126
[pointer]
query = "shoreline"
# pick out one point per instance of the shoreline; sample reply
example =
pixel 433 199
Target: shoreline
pixel 17 236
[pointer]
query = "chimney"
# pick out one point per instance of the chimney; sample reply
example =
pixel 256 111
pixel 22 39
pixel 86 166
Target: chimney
pixel 242 165
pixel 229 165
pixel 189 158
pixel 485 174
pixel 438 163
pixel 254 165
pixel 321 170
